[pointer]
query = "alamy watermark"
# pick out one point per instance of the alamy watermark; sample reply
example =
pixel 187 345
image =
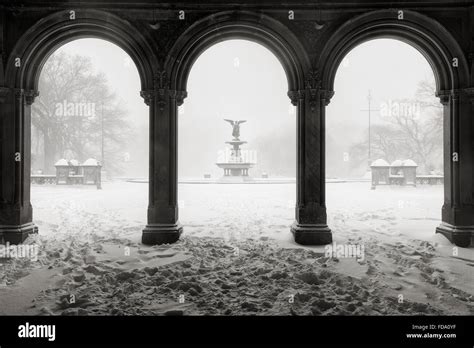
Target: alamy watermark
pixel 356 251
pixel 400 108
pixel 242 156
pixel 37 331
pixel 75 109
pixel 21 251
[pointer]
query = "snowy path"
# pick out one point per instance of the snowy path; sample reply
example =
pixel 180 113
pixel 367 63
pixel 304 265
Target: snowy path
pixel 237 255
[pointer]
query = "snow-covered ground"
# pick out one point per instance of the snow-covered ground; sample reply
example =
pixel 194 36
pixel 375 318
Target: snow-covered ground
pixel 237 255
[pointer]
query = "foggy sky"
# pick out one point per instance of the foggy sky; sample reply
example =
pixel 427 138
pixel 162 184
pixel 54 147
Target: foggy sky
pixel 239 79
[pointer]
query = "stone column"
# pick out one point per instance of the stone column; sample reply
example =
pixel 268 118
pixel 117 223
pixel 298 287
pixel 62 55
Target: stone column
pixel 310 227
pixel 16 213
pixel 163 225
pixel 458 207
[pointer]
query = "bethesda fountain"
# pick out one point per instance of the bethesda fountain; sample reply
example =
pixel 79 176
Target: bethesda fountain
pixel 235 165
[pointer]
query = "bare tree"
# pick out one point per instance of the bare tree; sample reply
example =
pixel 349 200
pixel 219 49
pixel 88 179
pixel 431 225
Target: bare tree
pixel 73 104
pixel 412 130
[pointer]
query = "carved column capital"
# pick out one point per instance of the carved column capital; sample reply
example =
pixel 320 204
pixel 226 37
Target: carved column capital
pixel 30 96
pixel 147 96
pixel 295 96
pixel 443 96
pixel 160 90
pixel 326 96
pixel 19 92
pixel 162 96
pixel 180 96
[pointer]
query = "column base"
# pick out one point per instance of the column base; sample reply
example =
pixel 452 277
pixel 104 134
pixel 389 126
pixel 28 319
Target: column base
pixel 459 235
pixel 161 233
pixel 16 234
pixel 311 234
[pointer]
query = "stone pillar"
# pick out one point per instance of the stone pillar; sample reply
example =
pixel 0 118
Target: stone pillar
pixel 16 213
pixel 163 225
pixel 458 207
pixel 310 227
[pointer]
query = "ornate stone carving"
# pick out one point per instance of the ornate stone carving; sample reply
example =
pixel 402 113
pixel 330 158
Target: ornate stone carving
pixel 313 79
pixel 443 96
pixel 295 96
pixel 162 95
pixel 313 84
pixel 162 92
pixel 160 80
pixel 147 96
pixel 30 96
pixel 326 96
pixel 180 96
pixel 19 93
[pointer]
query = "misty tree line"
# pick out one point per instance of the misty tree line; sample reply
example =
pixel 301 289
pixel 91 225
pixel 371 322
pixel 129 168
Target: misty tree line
pixel 412 130
pixel 74 106
pixel 74 101
pixel 408 133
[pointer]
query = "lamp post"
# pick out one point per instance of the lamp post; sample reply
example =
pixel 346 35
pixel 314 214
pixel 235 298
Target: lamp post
pixel 369 110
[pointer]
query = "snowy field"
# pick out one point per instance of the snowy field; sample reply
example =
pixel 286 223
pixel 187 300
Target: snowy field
pixel 237 256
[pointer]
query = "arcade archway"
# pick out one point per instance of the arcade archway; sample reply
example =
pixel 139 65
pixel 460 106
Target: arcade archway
pixel 310 58
pixel 452 75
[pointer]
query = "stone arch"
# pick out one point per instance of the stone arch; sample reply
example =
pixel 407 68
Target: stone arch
pixel 295 61
pixel 423 33
pixel 228 25
pixel 21 87
pixel 439 48
pixel 43 38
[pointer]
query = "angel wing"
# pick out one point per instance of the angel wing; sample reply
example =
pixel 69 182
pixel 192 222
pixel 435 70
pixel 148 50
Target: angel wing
pixel 230 121
pixel 241 121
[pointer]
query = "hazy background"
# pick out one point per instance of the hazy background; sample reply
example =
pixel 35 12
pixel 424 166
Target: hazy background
pixel 238 79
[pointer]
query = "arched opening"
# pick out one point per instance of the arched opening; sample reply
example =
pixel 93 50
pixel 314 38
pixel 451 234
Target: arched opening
pixel 191 44
pixel 451 74
pixel 89 143
pixel 385 144
pixel 386 167
pixel 22 77
pixel 257 277
pixel 244 193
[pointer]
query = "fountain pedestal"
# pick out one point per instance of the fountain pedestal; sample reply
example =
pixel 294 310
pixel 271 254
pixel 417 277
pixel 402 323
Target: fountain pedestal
pixel 235 166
